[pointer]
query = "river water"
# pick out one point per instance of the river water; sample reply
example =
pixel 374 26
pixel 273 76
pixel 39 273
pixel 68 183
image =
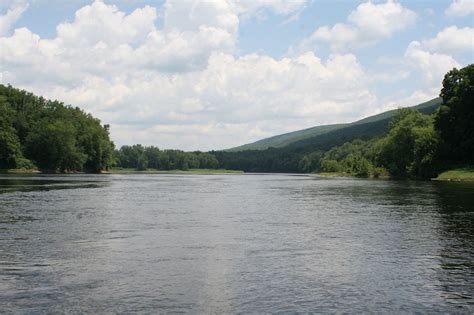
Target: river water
pixel 234 243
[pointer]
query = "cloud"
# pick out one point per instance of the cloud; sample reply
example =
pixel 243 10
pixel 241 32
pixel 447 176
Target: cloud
pixel 102 23
pixel 232 101
pixel 433 66
pixel 13 13
pixel 452 40
pixel 183 85
pixel 282 7
pixel 460 8
pixel 367 24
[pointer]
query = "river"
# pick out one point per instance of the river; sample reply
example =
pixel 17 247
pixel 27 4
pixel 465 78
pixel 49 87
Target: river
pixel 234 243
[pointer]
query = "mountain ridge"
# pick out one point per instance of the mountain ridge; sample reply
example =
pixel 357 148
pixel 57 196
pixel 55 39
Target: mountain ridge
pixel 294 137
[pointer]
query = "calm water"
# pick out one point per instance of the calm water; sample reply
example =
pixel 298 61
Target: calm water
pixel 234 243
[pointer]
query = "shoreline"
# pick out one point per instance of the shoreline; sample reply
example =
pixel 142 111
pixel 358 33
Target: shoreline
pixel 190 171
pixel 465 174
pixel 457 174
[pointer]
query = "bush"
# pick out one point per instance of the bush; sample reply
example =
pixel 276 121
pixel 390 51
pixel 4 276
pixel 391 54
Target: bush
pixel 357 165
pixel 331 166
pixel 379 171
pixel 26 164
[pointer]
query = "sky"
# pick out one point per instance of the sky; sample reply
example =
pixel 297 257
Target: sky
pixel 214 74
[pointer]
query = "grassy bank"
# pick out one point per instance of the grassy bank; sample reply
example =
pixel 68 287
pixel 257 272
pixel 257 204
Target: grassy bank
pixel 153 171
pixel 19 171
pixel 465 173
pixel 344 174
pixel 332 174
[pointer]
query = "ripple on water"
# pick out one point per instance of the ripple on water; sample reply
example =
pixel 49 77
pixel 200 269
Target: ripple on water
pixel 228 244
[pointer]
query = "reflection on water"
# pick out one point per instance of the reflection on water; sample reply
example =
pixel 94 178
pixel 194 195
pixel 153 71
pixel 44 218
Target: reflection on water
pixel 234 243
pixel 11 183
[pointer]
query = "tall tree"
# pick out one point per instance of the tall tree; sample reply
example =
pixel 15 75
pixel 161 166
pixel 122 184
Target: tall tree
pixel 455 119
pixel 411 146
pixel 10 149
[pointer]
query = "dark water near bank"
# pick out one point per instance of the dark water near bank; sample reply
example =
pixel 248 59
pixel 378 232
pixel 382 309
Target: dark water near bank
pixel 234 243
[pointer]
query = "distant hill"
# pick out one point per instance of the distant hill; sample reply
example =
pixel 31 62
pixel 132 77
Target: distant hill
pixel 367 127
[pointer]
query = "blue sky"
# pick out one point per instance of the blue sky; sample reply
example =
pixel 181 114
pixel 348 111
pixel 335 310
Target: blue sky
pixel 218 73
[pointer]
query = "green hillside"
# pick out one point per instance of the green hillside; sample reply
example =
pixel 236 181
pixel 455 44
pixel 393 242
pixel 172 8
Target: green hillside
pixel 300 136
pixel 287 138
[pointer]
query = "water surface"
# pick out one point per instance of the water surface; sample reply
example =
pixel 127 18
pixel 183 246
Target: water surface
pixel 234 243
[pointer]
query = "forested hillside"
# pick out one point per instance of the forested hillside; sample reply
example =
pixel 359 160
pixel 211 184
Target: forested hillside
pixel 36 132
pixel 415 142
pixel 288 157
pixel 286 139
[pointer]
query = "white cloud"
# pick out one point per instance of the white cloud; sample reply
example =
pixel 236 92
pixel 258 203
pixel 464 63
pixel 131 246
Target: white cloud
pixel 13 13
pixel 433 66
pixel 403 99
pixel 452 40
pixel 368 24
pixel 101 23
pixel 278 6
pixel 460 8
pixel 232 101
pixel 183 85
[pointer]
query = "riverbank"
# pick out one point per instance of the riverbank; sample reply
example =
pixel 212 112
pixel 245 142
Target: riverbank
pixel 130 171
pixel 19 171
pixel 457 174
pixel 153 171
pixel 344 174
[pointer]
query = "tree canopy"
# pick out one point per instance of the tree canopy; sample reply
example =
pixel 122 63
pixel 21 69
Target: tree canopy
pixel 140 157
pixel 50 135
pixel 455 119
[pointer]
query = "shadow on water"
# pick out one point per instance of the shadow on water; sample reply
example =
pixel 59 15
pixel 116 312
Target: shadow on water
pixel 439 216
pixel 29 183
pixel 456 209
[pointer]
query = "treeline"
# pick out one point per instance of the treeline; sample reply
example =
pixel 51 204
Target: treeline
pixel 35 132
pixel 417 145
pixel 40 133
pixel 413 144
pixel 141 158
pixel 410 149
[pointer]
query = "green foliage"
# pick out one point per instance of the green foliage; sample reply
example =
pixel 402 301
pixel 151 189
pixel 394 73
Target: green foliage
pixel 357 165
pixel 311 162
pixel 54 147
pixel 455 119
pixel 379 172
pixel 459 173
pixel 49 134
pixel 291 138
pixel 411 146
pixel 331 166
pixel 23 163
pixel 10 148
pixel 141 158
pixel 287 156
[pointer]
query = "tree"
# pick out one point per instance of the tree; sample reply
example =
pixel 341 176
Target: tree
pixel 411 146
pixel 53 146
pixel 331 166
pixel 10 149
pixel 357 165
pixel 59 137
pixel 311 162
pixel 455 119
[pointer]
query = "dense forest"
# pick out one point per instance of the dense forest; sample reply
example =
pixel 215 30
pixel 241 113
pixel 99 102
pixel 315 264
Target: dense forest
pixel 142 158
pixel 35 132
pixel 412 142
